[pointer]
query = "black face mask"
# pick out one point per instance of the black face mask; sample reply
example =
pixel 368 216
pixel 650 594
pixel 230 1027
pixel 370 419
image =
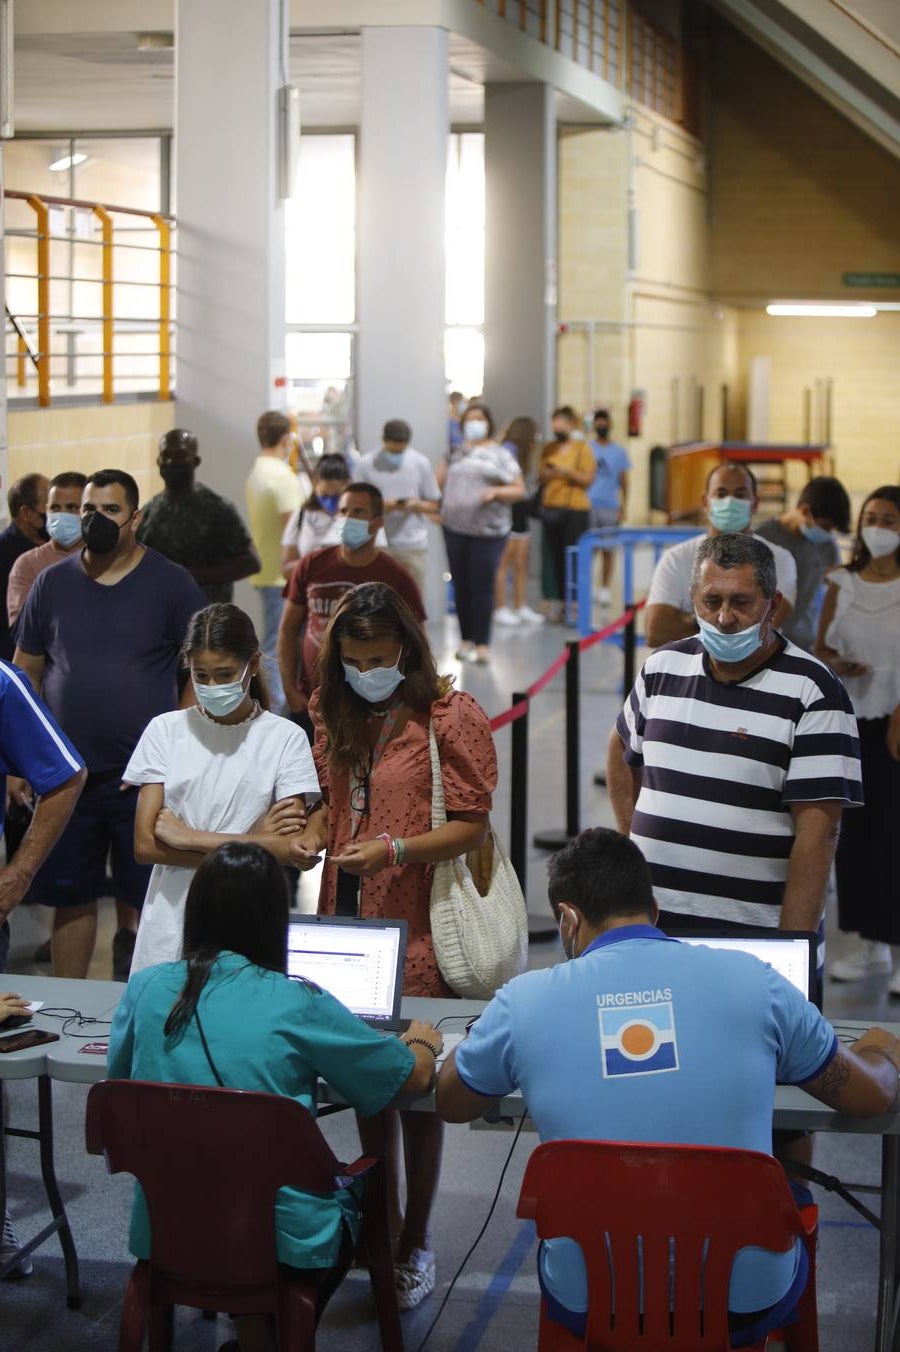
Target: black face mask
pixel 602 430
pixel 100 533
pixel 561 436
pixel 176 476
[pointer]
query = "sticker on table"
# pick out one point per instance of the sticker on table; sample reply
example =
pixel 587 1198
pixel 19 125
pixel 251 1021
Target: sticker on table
pixel 94 1049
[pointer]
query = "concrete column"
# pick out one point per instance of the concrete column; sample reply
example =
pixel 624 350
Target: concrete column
pixel 520 250
pixel 402 185
pixel 230 59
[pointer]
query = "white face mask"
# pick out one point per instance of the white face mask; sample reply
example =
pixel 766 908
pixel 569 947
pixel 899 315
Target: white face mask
pixel 880 541
pixel 475 429
pixel 221 700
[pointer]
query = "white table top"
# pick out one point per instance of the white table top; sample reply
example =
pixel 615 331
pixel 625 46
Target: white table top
pixel 63 1060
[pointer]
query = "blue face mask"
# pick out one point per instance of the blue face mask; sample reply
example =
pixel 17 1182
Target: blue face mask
pixel 354 533
pixel 817 535
pixel 729 515
pixel 221 700
pixel 394 458
pixel 729 647
pixel 64 528
pixel 329 502
pixel 376 685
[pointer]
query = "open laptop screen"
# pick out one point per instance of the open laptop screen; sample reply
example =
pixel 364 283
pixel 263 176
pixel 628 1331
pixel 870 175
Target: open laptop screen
pixel 359 962
pixel 791 953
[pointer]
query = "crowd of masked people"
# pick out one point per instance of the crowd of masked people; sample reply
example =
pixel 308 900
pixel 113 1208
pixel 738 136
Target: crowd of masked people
pixel 202 763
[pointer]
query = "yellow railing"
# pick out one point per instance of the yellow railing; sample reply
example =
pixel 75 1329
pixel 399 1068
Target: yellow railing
pixel 35 323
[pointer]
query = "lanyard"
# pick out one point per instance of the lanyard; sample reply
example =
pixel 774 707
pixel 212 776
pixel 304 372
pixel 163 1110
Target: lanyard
pixel 361 780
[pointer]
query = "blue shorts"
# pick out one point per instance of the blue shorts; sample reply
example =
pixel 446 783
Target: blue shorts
pixel 100 829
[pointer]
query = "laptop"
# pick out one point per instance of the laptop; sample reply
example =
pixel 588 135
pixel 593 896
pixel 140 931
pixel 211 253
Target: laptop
pixel 359 962
pixel 792 953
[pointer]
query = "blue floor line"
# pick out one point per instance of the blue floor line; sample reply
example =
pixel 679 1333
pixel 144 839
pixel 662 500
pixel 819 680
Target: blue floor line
pixel 846 1225
pixel 496 1290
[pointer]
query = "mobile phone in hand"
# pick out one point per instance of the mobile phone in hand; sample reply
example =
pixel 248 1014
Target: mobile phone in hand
pixel 14 1021
pixel 34 1037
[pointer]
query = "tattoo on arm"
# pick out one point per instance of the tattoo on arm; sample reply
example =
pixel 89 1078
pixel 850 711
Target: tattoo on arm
pixel 834 1080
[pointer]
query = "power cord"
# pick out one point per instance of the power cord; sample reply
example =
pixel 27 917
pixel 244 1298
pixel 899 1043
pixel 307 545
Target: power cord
pixel 75 1016
pixel 477 1240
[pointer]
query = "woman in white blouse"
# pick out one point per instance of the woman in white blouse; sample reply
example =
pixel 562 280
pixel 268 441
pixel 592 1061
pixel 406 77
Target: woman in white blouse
pixel 223 769
pixel 859 638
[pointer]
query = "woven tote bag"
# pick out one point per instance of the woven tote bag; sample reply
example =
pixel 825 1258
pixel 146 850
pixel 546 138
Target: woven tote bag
pixel 480 942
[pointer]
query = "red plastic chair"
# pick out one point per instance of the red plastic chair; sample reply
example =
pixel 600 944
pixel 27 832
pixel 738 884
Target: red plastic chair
pixel 706 1201
pixel 210 1162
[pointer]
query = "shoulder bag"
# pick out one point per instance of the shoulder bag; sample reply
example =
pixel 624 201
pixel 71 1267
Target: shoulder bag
pixel 480 941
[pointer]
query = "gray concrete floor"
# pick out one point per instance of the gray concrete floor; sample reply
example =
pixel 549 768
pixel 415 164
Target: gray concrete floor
pixel 494 1303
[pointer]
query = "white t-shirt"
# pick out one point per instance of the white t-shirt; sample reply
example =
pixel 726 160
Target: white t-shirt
pixel 671 581
pixel 216 778
pixel 866 628
pixel 413 477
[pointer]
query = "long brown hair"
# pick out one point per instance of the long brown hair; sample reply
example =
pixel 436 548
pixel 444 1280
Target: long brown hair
pixel 861 556
pixel 522 434
pixel 224 628
pixel 372 610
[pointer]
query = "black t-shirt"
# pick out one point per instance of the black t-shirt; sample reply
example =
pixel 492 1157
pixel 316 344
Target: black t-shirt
pixel 13 543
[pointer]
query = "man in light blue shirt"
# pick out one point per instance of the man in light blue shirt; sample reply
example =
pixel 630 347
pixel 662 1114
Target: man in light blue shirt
pixel 647 1039
pixel 609 491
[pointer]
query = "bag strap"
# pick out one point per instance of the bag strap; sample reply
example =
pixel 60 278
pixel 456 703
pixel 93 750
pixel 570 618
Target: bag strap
pixel 212 1065
pixel 438 805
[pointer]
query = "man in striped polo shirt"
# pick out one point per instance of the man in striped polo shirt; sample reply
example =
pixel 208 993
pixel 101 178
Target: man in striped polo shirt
pixel 734 756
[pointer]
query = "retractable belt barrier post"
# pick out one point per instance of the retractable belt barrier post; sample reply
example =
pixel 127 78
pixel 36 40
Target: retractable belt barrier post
pixel 518 798
pixel 555 839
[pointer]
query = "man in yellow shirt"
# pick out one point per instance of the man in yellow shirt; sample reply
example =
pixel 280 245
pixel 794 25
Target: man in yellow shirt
pixel 273 493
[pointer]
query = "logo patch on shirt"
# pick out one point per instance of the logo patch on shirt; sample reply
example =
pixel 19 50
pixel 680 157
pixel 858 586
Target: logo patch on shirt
pixel 638 1041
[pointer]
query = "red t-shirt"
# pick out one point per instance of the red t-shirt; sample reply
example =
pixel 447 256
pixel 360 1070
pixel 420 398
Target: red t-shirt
pixel 319 581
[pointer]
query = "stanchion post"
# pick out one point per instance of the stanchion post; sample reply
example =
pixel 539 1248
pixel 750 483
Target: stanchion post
pixel 556 839
pixel 630 645
pixel 518 800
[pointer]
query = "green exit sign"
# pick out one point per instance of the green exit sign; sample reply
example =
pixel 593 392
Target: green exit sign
pixel 888 279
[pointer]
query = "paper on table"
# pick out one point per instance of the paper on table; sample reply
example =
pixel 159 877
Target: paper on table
pixel 34 1005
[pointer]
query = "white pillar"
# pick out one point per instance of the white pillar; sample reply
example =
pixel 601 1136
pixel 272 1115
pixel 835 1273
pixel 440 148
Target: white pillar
pixel 401 254
pixel 520 250
pixel 229 63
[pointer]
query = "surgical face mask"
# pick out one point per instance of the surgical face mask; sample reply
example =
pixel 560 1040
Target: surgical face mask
pixel 880 541
pixel 329 502
pixel 221 700
pixel 817 535
pixel 568 953
pixel 475 429
pixel 100 533
pixel 560 434
pixel 394 458
pixel 730 647
pixel 376 685
pixel 729 514
pixel 602 430
pixel 64 528
pixel 354 533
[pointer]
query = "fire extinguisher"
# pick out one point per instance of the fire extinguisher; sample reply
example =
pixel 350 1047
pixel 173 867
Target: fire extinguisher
pixel 636 413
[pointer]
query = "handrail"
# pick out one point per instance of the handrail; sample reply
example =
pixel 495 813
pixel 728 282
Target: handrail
pixel 108 217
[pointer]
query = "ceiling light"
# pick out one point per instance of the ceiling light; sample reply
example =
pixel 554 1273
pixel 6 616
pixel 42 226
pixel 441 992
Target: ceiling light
pixel 66 162
pixel 813 311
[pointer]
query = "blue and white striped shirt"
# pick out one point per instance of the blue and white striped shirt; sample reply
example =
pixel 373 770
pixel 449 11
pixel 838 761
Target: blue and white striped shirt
pixel 721 765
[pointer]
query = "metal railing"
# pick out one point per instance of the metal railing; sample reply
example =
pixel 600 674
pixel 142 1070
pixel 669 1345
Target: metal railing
pixel 49 298
pixel 609 38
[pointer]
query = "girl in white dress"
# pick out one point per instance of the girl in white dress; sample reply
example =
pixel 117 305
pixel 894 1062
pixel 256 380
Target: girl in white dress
pixel 223 769
pixel 859 638
pixel 314 525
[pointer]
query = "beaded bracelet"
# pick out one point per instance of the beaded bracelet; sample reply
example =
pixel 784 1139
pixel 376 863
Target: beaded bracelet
pixel 391 849
pixel 412 1041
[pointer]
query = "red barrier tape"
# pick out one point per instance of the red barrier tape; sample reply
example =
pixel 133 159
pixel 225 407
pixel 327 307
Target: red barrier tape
pixel 521 709
pixel 548 675
pixel 510 715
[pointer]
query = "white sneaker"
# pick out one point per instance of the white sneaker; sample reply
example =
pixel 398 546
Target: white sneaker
pixel 8 1246
pixel 529 616
pixel 868 959
pixel 506 616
